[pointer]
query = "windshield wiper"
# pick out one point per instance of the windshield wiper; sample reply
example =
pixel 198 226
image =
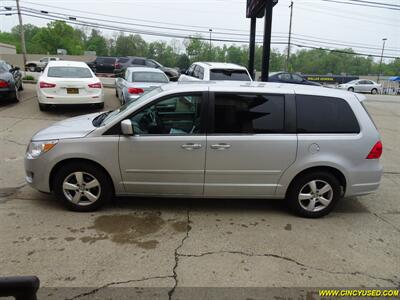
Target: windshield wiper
pixel 99 119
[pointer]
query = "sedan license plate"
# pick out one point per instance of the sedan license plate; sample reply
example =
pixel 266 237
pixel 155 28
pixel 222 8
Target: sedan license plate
pixel 72 91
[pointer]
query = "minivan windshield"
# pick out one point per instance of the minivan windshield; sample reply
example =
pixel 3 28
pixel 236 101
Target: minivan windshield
pixel 115 113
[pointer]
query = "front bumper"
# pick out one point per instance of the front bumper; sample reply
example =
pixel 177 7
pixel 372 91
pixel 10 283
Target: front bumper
pixel 37 173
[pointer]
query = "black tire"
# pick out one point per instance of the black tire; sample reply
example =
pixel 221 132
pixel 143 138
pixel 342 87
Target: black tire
pixel 15 96
pixel 350 89
pixel 100 105
pixel 116 93
pixel 301 184
pixel 90 172
pixel 374 91
pixel 43 107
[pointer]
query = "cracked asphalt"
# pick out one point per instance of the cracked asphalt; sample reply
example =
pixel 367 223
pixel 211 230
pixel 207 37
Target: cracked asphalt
pixel 169 244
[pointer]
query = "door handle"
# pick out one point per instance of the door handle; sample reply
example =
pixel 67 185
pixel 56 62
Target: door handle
pixel 220 146
pixel 191 146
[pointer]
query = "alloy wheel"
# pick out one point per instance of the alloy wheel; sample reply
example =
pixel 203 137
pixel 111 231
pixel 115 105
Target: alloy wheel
pixel 81 188
pixel 315 195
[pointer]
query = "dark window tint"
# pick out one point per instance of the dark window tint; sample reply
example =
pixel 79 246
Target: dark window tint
pixel 149 77
pixel 69 72
pixel 123 60
pixel 108 60
pixel 316 114
pixel 248 113
pixel 139 61
pixel 224 74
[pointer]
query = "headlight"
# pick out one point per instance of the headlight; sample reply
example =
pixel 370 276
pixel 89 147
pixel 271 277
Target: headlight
pixel 35 149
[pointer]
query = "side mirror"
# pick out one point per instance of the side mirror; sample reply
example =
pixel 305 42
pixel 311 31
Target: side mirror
pixel 126 127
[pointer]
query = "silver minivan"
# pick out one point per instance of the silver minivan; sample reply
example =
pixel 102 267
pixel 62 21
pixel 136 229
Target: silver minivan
pixel 308 145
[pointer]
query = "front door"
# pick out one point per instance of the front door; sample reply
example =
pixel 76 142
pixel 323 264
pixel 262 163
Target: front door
pixel 166 155
pixel 249 147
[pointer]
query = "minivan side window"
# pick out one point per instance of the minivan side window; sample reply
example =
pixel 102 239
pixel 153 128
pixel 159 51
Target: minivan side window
pixel 248 113
pixel 175 115
pixel 318 114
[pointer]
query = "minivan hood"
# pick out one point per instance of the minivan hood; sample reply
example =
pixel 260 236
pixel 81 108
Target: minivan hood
pixel 71 128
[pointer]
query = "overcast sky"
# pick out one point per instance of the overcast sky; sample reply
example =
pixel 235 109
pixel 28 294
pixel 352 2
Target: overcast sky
pixel 315 20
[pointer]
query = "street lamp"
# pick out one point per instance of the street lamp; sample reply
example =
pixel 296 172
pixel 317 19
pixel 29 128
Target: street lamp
pixel 380 64
pixel 210 30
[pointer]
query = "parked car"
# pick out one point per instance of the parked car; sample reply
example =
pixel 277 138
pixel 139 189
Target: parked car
pixel 103 64
pixel 68 82
pixel 135 61
pixel 215 71
pixel 286 77
pixel 216 140
pixel 10 81
pixel 39 65
pixel 361 86
pixel 135 81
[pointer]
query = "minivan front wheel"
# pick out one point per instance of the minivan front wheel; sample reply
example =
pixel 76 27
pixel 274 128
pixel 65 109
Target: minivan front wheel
pixel 314 195
pixel 82 186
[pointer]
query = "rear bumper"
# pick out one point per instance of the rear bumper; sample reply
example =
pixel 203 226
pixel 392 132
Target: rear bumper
pixel 365 181
pixel 71 100
pixel 6 94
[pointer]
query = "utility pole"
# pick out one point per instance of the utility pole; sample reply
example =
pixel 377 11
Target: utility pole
pixel 21 34
pixel 267 41
pixel 380 64
pixel 209 55
pixel 252 46
pixel 290 36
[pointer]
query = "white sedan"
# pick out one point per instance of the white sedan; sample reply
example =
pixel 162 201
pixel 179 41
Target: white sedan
pixel 69 82
pixel 361 86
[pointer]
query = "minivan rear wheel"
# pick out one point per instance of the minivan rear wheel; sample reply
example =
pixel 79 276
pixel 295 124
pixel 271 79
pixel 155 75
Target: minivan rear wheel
pixel 82 187
pixel 314 195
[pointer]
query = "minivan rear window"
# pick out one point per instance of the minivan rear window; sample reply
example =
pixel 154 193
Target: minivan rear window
pixel 225 74
pixel 317 114
pixel 69 72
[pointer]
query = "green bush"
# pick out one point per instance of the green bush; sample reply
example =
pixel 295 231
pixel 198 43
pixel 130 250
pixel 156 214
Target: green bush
pixel 28 77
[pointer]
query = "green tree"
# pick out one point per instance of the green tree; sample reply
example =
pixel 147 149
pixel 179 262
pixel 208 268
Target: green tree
pixel 59 35
pixel 131 45
pixel 96 42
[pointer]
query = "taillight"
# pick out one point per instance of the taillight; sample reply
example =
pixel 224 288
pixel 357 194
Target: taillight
pixel 117 66
pixel 135 91
pixel 96 85
pixel 46 85
pixel 376 151
pixel 3 84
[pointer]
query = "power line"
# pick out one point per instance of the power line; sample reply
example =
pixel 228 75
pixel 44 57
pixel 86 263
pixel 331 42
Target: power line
pixel 214 32
pixel 95 25
pixel 362 4
pixel 205 28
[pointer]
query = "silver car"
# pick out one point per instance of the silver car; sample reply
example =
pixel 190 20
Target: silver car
pixel 310 145
pixel 135 81
pixel 361 86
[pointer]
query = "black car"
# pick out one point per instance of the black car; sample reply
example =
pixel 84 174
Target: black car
pixel 286 77
pixel 10 82
pixel 135 61
pixel 103 64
